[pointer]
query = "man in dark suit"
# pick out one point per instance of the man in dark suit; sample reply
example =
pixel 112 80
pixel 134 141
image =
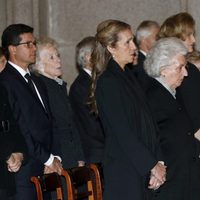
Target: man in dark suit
pixel 146 34
pixel 12 148
pixel 89 126
pixel 28 102
pixel 145 38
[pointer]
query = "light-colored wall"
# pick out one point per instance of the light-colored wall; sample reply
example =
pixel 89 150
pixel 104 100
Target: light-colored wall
pixel 68 21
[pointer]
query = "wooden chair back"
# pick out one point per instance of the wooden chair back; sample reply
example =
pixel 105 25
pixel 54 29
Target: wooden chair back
pixel 83 183
pixel 48 183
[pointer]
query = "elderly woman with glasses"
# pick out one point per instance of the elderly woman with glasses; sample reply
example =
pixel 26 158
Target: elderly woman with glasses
pixel 166 64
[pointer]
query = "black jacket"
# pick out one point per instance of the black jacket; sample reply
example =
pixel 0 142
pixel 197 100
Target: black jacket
pixel 177 143
pixel 189 91
pixel 66 138
pixel 139 72
pixel 11 141
pixel 130 134
pixel 33 119
pixel 89 126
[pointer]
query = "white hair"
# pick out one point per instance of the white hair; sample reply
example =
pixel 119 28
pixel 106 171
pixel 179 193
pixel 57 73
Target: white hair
pixel 42 44
pixel 144 30
pixel 162 54
pixel 83 48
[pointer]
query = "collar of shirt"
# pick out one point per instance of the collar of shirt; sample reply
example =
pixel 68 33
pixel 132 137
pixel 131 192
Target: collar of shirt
pixel 143 52
pixel 23 73
pixel 20 70
pixel 88 71
pixel 59 81
pixel 161 81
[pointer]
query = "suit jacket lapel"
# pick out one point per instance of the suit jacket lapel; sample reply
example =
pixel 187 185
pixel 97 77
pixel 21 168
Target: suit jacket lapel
pixel 43 95
pixel 16 74
pixel 86 77
pixel 19 77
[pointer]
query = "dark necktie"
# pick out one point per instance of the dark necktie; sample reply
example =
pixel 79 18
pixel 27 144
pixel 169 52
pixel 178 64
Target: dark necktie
pixel 32 87
pixel 30 83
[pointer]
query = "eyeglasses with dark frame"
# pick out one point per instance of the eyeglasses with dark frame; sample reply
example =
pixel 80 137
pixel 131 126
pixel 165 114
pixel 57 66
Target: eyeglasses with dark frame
pixel 29 44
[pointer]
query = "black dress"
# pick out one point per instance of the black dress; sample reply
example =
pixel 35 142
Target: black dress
pixel 130 134
pixel 189 91
pixel 66 138
pixel 177 143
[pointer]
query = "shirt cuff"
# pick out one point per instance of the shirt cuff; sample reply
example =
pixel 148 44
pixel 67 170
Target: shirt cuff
pixel 161 162
pixel 58 157
pixel 49 161
pixel 51 158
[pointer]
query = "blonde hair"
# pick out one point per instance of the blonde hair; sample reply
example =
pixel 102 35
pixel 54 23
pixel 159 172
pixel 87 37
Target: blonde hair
pixel 107 35
pixel 177 26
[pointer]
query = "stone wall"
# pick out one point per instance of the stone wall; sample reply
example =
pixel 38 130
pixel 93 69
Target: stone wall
pixel 68 21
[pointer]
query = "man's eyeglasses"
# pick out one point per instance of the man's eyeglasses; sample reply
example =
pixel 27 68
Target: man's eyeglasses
pixel 28 44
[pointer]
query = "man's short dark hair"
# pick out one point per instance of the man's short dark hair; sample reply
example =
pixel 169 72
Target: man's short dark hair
pixel 11 36
pixel 1 52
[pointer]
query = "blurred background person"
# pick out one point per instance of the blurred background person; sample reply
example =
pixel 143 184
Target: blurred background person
pixel 182 26
pixel 194 58
pixel 65 135
pixel 88 124
pixel 13 150
pixel 146 35
pixel 166 64
pixel 2 60
pixel 130 134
